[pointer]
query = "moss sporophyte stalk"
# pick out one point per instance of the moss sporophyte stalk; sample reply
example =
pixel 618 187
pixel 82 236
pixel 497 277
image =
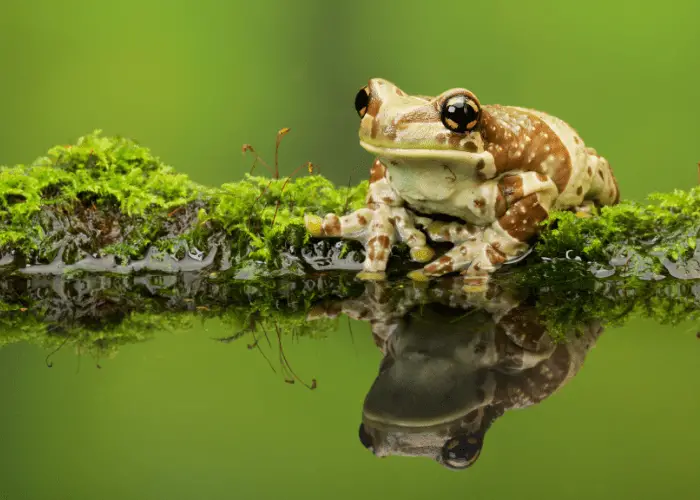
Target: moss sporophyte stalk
pixel 115 224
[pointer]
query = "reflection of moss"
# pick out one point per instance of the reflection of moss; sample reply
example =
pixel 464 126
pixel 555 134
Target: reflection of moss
pixel 568 295
pixel 97 316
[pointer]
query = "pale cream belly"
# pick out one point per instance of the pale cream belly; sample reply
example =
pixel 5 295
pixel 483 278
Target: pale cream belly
pixel 435 188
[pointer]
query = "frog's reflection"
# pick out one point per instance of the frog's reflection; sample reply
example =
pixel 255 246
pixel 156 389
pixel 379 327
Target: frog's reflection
pixel 453 363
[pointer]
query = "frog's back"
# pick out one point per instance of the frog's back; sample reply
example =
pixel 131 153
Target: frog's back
pixel 522 139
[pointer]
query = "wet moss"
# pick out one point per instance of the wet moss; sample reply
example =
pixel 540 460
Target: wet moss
pixel 648 240
pixel 111 196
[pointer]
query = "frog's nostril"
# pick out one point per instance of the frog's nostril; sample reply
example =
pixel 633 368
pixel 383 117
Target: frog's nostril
pixel 362 101
pixel 366 439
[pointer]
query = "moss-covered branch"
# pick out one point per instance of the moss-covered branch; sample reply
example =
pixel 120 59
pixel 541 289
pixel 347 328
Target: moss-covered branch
pixel 106 204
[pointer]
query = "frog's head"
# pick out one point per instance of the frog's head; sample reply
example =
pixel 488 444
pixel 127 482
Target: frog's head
pixel 402 128
pixel 455 444
pixel 434 395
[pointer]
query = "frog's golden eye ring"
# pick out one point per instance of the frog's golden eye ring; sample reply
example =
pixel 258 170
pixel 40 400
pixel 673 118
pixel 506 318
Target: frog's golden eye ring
pixel 362 101
pixel 365 438
pixel 460 113
pixel 461 452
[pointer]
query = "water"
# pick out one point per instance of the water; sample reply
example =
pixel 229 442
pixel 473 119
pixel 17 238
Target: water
pixel 185 414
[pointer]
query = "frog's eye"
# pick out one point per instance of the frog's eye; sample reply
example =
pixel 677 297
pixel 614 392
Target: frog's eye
pixel 462 451
pixel 362 101
pixel 460 113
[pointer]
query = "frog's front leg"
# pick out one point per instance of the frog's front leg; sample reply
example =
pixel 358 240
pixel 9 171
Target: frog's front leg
pixel 377 227
pixel 521 202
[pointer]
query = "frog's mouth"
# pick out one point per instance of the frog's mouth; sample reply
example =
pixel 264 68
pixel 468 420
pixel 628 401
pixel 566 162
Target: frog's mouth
pixel 459 161
pixel 399 155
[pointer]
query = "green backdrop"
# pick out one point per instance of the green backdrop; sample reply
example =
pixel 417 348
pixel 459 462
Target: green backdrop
pixel 196 79
pixel 183 416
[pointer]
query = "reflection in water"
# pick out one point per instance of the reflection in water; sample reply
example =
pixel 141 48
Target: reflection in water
pixel 453 363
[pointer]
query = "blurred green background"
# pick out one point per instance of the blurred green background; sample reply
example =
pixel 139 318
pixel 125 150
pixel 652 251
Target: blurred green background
pixel 194 80
pixel 183 416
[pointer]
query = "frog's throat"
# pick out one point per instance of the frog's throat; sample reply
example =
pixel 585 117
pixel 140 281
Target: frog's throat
pixel 420 153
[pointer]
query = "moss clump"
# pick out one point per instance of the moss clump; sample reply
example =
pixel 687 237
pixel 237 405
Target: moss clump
pixel 107 197
pixel 98 173
pixel 632 239
pixel 110 196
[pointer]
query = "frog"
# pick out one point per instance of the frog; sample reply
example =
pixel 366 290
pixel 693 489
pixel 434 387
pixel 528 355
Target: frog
pixel 453 363
pixel 448 169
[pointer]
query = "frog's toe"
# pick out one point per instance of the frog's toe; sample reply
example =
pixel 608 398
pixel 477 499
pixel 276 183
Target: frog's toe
pixel 323 311
pixel 418 275
pixel 314 225
pixel 422 254
pixel 475 284
pixel 371 275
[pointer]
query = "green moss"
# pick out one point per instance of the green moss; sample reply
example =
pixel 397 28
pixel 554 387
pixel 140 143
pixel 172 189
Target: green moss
pixel 634 239
pixel 110 196
pixel 97 173
pixel 136 201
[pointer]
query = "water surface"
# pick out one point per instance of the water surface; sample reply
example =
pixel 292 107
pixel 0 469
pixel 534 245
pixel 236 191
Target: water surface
pixel 185 415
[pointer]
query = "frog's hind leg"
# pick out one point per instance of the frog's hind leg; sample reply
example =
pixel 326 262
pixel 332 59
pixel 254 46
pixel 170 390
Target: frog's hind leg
pixel 527 201
pixel 472 254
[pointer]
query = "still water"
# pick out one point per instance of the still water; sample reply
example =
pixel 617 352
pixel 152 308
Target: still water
pixel 463 396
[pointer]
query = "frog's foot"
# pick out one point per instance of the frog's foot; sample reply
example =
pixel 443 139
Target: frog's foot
pixel 476 283
pixel 405 223
pixel 585 210
pixel 350 226
pixel 377 229
pixel 475 254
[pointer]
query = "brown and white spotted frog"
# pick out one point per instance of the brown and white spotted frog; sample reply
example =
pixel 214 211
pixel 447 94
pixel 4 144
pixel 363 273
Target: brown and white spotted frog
pixel 453 363
pixel 497 171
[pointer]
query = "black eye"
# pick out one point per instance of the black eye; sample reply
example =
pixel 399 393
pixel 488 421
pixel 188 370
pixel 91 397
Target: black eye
pixel 460 113
pixel 461 451
pixel 362 101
